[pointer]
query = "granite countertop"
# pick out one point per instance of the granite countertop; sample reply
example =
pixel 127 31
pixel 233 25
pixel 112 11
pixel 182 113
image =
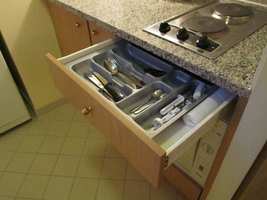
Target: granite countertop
pixel 234 70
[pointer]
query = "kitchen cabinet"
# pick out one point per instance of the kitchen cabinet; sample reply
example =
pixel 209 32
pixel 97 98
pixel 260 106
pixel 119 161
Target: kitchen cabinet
pixel 248 140
pixel 183 183
pixel 153 156
pixel 73 32
pixel 97 34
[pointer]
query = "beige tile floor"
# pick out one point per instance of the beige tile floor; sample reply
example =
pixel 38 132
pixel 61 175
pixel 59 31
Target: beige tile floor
pixel 59 156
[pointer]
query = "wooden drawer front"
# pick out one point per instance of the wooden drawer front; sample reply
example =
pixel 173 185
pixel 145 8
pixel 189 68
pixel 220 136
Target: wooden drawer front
pixel 139 155
pixel 81 100
pixel 72 31
pixel 183 183
pixel 144 154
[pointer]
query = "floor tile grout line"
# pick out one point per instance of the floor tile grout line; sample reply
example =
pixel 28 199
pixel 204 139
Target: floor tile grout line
pixel 16 197
pixel 16 150
pixel 24 178
pixel 149 192
pixel 9 162
pixel 37 148
pixel 124 182
pixel 82 177
pixel 85 177
pixel 74 177
pixel 27 198
pixel 99 180
pixel 57 158
pixel 63 140
pixel 1 175
pixel 81 156
pixel 56 175
pixel 73 182
pixel 73 156
pixel 51 171
pixel 20 141
pixel 35 155
pixel 8 171
pixel 50 178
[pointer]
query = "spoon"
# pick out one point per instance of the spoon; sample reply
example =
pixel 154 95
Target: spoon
pixel 112 66
pixel 156 95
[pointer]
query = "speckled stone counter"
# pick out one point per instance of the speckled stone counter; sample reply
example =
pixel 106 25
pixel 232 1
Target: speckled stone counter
pixel 260 1
pixel 233 70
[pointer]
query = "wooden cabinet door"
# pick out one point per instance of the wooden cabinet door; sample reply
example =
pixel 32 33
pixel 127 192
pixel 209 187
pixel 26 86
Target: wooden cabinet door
pixel 183 183
pixel 72 31
pixel 97 33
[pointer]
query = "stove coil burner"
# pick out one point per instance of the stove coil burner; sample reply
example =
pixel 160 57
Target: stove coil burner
pixel 204 24
pixel 232 13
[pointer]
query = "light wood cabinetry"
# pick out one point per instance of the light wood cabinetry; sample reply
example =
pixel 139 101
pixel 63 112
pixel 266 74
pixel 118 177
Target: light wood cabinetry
pixel 73 32
pixel 148 156
pixel 184 184
pixel 97 33
pixel 129 139
pixel 145 154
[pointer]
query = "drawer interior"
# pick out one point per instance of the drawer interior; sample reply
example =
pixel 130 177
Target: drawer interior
pixel 157 96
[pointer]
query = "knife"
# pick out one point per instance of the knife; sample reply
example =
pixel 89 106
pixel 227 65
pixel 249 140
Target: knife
pixel 98 84
pixel 116 94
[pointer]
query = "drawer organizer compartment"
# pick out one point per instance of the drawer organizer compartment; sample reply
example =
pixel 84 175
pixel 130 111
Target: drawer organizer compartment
pixel 98 76
pixel 153 102
pixel 151 110
pixel 142 61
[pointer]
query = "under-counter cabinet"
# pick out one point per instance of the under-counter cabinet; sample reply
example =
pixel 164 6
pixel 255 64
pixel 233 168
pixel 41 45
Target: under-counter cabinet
pixel 153 132
pixel 97 34
pixel 73 32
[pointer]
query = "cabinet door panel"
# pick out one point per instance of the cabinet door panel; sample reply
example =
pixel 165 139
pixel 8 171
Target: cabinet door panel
pixel 98 34
pixel 72 31
pixel 184 184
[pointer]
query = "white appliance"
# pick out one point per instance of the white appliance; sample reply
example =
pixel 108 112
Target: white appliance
pixel 197 161
pixel 12 108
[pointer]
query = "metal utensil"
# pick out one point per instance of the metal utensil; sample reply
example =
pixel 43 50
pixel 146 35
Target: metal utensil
pixel 145 69
pixel 154 72
pixel 158 122
pixel 138 81
pixel 156 95
pixel 111 65
pixel 180 99
pixel 146 106
pixel 115 92
pixel 93 79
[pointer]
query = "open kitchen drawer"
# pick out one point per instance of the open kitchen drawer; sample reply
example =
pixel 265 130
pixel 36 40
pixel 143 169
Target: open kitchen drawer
pixel 148 148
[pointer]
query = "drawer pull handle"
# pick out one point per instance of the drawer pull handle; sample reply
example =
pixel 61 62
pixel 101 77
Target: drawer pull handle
pixel 94 32
pixel 77 24
pixel 87 110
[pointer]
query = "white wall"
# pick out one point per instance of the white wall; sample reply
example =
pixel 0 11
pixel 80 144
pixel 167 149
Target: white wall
pixel 29 33
pixel 248 141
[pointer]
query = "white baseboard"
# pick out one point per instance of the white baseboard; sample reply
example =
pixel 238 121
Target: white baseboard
pixel 50 106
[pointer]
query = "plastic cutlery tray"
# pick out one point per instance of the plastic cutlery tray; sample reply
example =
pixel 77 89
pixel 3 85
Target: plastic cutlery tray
pixel 135 62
